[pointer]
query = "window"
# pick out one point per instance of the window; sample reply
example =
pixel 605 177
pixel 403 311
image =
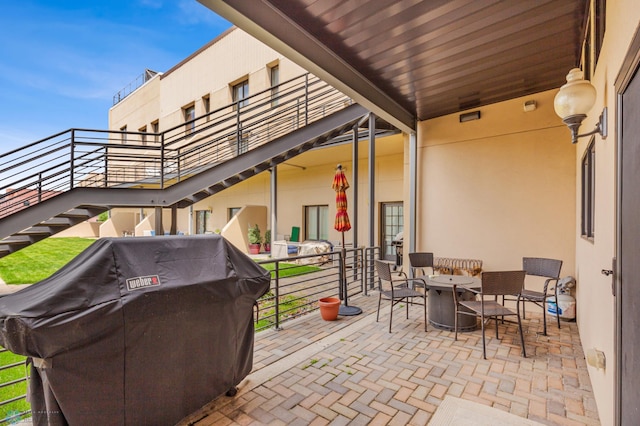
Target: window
pixel 202 217
pixel 274 76
pixel 391 224
pixel 240 93
pixel 232 211
pixel 316 222
pixel 155 128
pixel 189 118
pixel 600 13
pixel 143 137
pixel 206 105
pixel 588 190
pixel 123 135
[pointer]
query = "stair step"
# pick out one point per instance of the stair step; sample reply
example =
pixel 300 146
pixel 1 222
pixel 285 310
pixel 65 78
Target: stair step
pixel 56 222
pixel 80 213
pixel 47 231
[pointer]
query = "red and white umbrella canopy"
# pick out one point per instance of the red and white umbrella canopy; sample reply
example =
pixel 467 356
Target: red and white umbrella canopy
pixel 340 185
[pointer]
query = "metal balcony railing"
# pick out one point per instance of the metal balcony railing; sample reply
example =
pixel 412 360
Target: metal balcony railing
pixel 117 159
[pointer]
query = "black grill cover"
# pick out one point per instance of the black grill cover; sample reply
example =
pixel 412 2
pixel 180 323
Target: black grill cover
pixel 136 331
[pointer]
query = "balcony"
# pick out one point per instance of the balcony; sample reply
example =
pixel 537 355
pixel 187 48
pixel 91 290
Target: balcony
pixel 352 370
pixel 310 371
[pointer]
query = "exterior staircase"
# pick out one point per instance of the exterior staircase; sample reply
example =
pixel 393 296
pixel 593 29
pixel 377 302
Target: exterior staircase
pixel 58 182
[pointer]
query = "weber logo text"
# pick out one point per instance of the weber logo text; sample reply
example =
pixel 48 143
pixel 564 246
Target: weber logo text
pixel 138 283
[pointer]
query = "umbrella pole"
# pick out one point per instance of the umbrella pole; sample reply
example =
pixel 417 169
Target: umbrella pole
pixel 345 309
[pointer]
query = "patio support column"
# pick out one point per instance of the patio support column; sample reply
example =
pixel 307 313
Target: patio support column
pixel 354 179
pixel 413 176
pixel 372 178
pixel 174 220
pixel 158 221
pixel 274 203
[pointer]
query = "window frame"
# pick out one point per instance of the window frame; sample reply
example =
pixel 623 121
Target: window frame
pixel 231 212
pixel 189 115
pixel 321 234
pixel 155 128
pixel 588 178
pixel 143 136
pixel 206 106
pixel 240 94
pixel 123 136
pixel 274 81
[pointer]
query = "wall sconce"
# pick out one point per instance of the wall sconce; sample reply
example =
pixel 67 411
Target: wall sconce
pixel 573 102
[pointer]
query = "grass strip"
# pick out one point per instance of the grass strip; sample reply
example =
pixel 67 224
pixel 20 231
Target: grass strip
pixel 40 260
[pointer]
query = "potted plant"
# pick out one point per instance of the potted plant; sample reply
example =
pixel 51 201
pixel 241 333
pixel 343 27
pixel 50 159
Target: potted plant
pixel 329 308
pixel 267 240
pixel 255 239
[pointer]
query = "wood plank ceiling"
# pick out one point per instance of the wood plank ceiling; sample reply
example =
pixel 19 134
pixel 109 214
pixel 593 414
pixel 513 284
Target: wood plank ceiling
pixel 422 58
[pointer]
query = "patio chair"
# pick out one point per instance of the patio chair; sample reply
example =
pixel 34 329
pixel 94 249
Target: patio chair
pixel 503 283
pixel 419 261
pixel 397 289
pixel 546 268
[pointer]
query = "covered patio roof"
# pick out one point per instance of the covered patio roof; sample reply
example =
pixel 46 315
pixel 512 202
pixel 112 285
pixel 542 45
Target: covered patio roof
pixel 412 60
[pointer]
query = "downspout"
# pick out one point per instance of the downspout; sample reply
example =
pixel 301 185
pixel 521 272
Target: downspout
pixel 372 177
pixel 274 203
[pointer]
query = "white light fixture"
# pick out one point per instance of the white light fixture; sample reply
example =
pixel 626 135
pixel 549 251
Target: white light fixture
pixel 574 100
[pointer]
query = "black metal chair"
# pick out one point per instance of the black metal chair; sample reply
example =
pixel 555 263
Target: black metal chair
pixel 419 261
pixel 397 289
pixel 501 283
pixel 546 268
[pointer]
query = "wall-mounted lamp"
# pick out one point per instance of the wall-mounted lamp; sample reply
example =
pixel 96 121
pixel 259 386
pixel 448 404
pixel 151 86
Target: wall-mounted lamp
pixel 573 102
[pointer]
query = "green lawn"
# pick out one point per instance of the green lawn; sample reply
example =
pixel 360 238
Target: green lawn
pixel 289 269
pixel 40 260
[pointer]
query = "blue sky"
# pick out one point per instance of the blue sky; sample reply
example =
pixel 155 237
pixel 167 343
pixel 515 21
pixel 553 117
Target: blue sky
pixel 62 61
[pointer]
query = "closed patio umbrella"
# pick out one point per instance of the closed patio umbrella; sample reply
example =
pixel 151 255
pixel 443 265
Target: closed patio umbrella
pixel 342 225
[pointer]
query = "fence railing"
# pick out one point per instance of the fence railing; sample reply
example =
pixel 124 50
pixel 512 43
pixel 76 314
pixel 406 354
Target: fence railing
pixel 296 285
pixel 120 159
pixel 13 388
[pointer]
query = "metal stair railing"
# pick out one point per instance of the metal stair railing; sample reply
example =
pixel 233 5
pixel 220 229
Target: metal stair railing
pixel 80 158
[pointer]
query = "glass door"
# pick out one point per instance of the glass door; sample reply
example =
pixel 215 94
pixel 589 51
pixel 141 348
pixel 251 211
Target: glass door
pixel 391 224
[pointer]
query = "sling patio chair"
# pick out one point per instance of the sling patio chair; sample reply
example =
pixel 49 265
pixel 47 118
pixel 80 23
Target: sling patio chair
pixel 494 284
pixel 397 289
pixel 419 262
pixel 546 268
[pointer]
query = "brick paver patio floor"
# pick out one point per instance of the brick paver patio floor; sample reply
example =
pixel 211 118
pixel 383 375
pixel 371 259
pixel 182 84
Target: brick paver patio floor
pixel 353 371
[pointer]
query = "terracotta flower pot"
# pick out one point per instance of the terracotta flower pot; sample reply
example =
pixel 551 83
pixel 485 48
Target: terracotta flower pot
pixel 329 307
pixel 254 248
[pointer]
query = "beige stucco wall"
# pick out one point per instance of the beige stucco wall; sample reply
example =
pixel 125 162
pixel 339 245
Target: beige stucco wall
pixel 140 113
pixel 85 229
pixel 499 188
pixel 596 304
pixel 236 231
pixel 211 71
pixel 311 185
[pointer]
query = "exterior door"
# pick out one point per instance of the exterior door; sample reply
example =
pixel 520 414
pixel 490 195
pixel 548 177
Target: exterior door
pixel 391 223
pixel 628 285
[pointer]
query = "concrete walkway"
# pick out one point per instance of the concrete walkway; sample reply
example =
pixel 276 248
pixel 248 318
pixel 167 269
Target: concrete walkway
pixel 352 371
pixel 8 289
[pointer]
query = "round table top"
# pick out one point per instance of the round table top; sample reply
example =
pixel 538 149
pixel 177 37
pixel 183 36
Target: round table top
pixel 447 281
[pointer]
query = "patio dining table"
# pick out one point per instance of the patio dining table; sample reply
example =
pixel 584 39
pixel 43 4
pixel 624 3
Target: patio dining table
pixel 441 305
